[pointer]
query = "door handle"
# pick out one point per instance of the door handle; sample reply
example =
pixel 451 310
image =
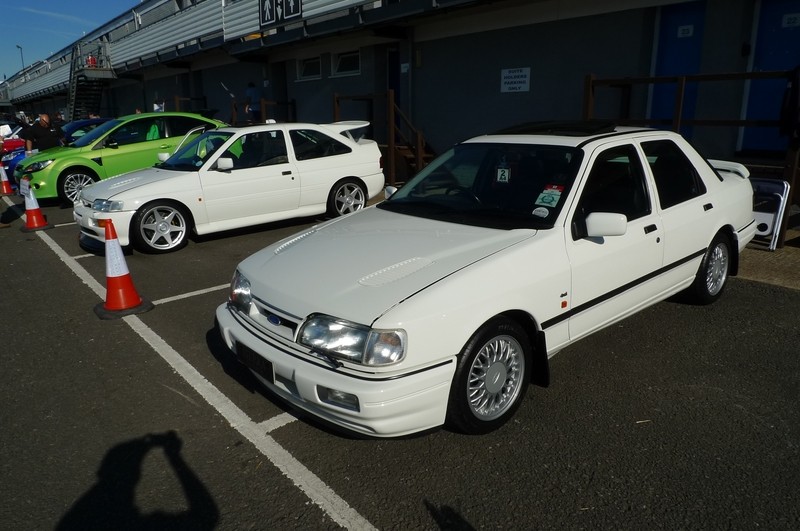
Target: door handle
pixel 707 207
pixel 287 172
pixel 650 228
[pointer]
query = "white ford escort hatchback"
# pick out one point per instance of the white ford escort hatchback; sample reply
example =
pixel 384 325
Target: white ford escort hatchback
pixel 235 177
pixel 443 303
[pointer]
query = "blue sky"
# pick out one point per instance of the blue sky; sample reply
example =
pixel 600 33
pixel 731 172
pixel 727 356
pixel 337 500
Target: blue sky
pixel 43 27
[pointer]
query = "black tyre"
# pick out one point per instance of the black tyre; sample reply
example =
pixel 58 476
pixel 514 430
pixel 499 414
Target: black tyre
pixel 346 196
pixel 160 227
pixel 72 181
pixel 491 379
pixel 713 273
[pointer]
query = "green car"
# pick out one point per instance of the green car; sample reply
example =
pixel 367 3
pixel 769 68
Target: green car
pixel 118 146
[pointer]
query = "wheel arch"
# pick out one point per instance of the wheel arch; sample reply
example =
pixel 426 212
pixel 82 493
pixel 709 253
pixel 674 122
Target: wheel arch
pixel 730 233
pixel 540 373
pixel 77 167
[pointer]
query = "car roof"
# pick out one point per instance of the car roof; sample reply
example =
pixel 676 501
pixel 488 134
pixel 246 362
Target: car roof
pixel 567 133
pixel 165 113
pixel 334 126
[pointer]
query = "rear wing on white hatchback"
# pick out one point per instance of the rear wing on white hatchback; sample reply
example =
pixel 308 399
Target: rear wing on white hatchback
pixel 730 167
pixel 346 126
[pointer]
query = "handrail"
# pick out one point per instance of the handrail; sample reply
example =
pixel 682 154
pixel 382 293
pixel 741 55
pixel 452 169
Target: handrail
pixel 790 168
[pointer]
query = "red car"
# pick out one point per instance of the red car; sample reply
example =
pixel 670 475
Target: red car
pixel 11 142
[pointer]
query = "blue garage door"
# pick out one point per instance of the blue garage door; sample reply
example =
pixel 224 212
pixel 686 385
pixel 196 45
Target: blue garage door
pixel 777 48
pixel 680 44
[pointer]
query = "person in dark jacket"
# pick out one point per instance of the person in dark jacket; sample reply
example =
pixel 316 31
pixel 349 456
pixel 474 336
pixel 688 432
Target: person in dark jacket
pixel 42 135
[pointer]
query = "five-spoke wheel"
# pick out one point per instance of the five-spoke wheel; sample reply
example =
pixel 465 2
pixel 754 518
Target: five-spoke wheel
pixel 160 227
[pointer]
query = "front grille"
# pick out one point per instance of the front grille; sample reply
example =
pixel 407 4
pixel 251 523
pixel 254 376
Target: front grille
pixel 273 321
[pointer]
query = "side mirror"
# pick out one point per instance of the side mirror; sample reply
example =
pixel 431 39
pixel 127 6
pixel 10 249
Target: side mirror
pixel 162 157
pixel 389 191
pixel 224 163
pixel 601 224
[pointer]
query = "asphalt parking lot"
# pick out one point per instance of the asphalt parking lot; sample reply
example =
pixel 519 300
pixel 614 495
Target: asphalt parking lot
pixel 678 417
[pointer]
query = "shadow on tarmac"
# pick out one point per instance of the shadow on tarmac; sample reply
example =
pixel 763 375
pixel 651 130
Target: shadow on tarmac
pixel 110 503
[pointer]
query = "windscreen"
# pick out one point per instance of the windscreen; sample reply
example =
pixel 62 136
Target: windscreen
pixel 491 184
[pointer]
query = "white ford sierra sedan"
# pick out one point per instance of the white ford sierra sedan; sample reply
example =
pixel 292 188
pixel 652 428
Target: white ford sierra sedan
pixel 440 305
pixel 235 177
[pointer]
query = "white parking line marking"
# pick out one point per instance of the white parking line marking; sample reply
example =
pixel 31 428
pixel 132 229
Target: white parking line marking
pixel 278 421
pixel 191 294
pixel 313 487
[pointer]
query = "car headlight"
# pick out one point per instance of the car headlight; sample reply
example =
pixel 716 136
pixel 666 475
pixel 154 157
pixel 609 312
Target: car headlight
pixel 106 205
pixel 240 296
pixel 353 342
pixel 38 166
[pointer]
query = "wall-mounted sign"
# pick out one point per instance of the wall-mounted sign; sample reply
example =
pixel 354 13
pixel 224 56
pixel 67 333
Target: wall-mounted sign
pixel 272 11
pixel 515 79
pixel 790 20
pixel 685 31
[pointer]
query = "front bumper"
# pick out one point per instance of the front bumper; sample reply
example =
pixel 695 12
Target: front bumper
pixel 388 406
pixel 43 188
pixel 89 222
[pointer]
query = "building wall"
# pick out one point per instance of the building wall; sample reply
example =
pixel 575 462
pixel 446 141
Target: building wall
pixel 447 68
pixel 457 80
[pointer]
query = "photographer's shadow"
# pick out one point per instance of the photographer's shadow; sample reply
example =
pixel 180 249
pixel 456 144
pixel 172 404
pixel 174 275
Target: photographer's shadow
pixel 111 502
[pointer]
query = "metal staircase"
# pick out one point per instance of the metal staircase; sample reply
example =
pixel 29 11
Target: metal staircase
pixel 90 74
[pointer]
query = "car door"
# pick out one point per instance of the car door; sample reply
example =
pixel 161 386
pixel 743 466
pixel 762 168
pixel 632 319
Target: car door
pixel 685 207
pixel 613 275
pixel 133 145
pixel 263 181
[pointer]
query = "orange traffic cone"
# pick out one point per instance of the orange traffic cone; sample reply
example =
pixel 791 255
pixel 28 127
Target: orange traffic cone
pixel 121 297
pixel 34 219
pixel 5 185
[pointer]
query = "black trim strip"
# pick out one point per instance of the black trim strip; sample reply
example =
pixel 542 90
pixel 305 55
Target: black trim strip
pixel 751 223
pixel 280 348
pixel 613 293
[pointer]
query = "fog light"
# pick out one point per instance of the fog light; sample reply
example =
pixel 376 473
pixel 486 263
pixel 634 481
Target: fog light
pixel 338 398
pixel 102 222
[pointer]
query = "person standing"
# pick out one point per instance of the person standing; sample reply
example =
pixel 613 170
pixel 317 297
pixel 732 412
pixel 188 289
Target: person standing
pixel 252 101
pixel 41 135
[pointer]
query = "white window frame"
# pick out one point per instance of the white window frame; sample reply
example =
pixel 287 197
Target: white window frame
pixel 336 63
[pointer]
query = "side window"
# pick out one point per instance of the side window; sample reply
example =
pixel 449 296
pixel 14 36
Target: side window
pixel 136 131
pixel 258 149
pixel 309 144
pixel 675 176
pixel 180 125
pixel 615 184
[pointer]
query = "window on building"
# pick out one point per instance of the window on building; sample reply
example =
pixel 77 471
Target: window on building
pixel 310 68
pixel 346 64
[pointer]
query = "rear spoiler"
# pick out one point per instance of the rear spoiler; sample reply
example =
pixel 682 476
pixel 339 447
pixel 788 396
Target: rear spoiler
pixel 730 167
pixel 346 126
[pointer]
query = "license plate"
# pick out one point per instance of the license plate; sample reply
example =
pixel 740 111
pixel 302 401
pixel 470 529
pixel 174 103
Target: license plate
pixel 258 364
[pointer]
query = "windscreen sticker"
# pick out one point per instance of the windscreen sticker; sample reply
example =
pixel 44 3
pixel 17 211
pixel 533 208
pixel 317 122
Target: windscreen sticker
pixel 550 196
pixel 541 212
pixel 503 175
